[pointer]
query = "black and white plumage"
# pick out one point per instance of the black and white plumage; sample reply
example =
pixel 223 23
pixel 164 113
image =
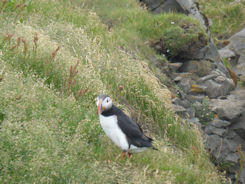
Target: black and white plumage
pixel 121 129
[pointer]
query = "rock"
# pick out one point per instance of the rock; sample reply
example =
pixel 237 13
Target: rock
pixel 239 70
pixel 213 143
pixel 223 149
pixel 185 84
pixel 152 5
pixel 195 98
pixel 242 79
pixel 201 49
pixel 208 77
pixel 200 68
pixel 190 113
pixel 174 66
pixel 238 94
pixel 231 135
pixel 198 89
pixel 209 52
pixel 241 59
pixel 218 123
pixel 236 51
pixel 213 89
pixel 221 79
pixel 232 144
pixel 181 111
pixel 218 72
pixel 237 43
pixel 226 53
pixel 184 113
pixel 159 6
pixel 229 109
pixel 234 157
pixel 206 74
pixel 220 86
pixel 169 5
pixel 178 78
pixel 239 126
pixel 242 175
pixel 194 120
pixel 209 129
pixel 187 7
pixel 182 102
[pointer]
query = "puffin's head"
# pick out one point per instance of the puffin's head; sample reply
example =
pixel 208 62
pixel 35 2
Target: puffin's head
pixel 104 103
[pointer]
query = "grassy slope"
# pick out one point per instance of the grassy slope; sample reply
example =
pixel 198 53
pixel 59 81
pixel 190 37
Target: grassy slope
pixel 227 16
pixel 133 27
pixel 51 134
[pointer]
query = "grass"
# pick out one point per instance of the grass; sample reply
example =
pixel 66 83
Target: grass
pixel 56 57
pixel 227 16
pixel 132 26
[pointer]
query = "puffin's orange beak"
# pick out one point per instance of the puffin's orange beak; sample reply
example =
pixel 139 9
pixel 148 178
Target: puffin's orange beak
pixel 99 107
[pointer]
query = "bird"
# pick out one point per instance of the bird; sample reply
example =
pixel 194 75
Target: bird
pixel 121 129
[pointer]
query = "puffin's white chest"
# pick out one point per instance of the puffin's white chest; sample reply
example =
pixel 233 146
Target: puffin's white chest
pixel 112 130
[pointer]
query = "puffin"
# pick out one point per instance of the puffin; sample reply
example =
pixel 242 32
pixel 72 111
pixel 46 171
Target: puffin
pixel 121 129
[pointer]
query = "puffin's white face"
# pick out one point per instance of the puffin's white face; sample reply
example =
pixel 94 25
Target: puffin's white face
pixel 103 103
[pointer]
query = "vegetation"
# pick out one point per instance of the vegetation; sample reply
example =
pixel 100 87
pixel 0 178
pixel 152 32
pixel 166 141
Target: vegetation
pixel 227 16
pixel 133 27
pixel 55 58
pixel 203 112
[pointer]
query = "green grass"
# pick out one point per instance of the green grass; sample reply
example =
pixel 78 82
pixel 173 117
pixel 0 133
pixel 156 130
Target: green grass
pixel 227 16
pixel 132 26
pixel 50 132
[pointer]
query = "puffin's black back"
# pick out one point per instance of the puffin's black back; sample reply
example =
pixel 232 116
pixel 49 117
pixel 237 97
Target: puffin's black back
pixel 132 130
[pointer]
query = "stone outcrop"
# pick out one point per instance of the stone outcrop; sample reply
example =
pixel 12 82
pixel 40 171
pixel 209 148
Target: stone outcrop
pixel 202 76
pixel 234 52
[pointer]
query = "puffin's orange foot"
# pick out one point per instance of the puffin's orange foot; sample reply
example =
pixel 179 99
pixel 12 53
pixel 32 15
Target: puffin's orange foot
pixel 129 155
pixel 123 155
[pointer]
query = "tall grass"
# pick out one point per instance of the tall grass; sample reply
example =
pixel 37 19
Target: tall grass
pixel 54 61
pixel 227 16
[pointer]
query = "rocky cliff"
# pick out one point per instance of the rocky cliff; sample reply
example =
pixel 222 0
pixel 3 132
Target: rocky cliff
pixel 208 93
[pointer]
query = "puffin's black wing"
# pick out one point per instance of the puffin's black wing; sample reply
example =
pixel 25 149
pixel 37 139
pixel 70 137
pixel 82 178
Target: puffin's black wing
pixel 132 130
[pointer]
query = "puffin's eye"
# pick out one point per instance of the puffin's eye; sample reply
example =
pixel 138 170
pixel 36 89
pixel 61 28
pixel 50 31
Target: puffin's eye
pixel 107 100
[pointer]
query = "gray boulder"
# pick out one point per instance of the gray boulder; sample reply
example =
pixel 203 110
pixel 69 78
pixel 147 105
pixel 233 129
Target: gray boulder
pixel 224 151
pixel 200 68
pixel 242 175
pixel 239 70
pixel 174 66
pixel 237 43
pixel 217 127
pixel 213 143
pixel 185 84
pixel 159 6
pixel 182 102
pixel 219 86
pixel 226 53
pixel 225 135
pixel 227 109
pixel 235 52
pixel 239 127
pixel 183 112
pixel 218 123
pixel 216 131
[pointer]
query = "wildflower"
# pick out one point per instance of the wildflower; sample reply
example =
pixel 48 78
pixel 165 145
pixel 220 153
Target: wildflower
pixel 54 53
pixel 35 39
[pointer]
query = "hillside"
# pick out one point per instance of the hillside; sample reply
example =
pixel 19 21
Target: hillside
pixel 56 57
